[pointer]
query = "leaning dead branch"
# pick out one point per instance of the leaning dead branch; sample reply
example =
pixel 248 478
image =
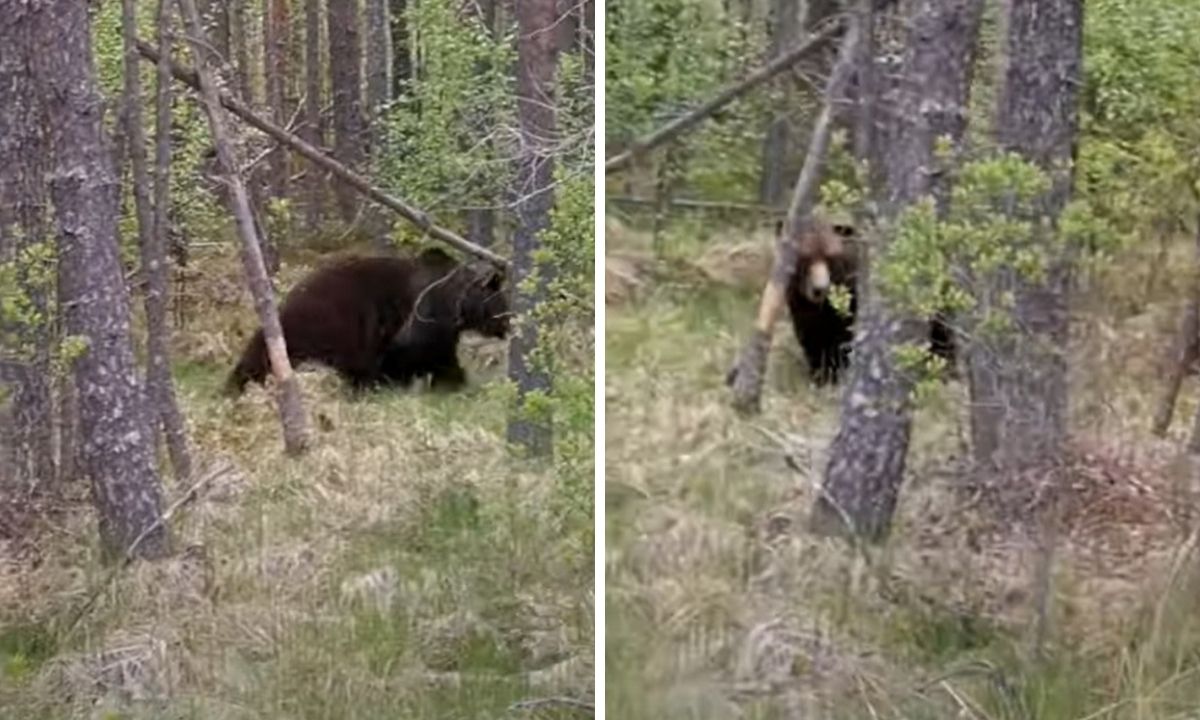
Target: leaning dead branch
pixel 747 374
pixel 319 158
pixel 727 95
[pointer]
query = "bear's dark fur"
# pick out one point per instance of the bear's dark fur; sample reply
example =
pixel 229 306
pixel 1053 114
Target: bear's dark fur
pixel 427 345
pixel 348 315
pixel 825 260
pixel 824 334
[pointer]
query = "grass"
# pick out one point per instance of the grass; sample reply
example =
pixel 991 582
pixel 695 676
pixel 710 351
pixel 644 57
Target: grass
pixel 408 566
pixel 719 605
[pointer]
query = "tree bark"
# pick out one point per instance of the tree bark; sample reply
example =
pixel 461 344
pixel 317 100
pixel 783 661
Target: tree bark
pixel 215 15
pixel 732 92
pixel 1019 384
pixel 750 368
pixel 23 215
pixel 160 388
pixel 414 215
pixel 240 61
pixel 481 220
pixel 311 132
pixel 378 62
pixel 785 29
pixel 276 42
pixel 868 454
pixel 291 407
pixel 345 82
pixel 537 66
pixel 118 445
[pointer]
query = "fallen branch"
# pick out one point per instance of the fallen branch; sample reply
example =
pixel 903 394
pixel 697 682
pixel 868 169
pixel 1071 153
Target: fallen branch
pixel 746 376
pixel 730 93
pixel 415 215
pixel 705 205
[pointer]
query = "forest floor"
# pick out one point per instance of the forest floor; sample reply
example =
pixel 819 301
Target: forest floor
pixel 720 605
pixel 409 566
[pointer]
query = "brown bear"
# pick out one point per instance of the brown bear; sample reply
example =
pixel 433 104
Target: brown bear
pixel 348 314
pixel 827 258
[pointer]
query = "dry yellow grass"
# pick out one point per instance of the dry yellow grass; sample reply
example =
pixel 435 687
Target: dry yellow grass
pixel 408 566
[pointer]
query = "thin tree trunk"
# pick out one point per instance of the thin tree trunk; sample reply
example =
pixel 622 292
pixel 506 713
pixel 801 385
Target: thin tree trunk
pixel 240 49
pixel 732 92
pixel 215 14
pixel 868 454
pixel 291 407
pixel 481 220
pixel 378 59
pixel 1019 384
pixel 413 214
pixel 777 143
pixel 311 132
pixel 402 69
pixel 750 368
pixel 118 445
pixel 23 215
pixel 1185 352
pixel 345 82
pixel 276 41
pixel 152 236
pixel 537 66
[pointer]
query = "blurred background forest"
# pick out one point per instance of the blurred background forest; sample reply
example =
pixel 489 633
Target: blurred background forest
pixel 403 553
pixel 1061 586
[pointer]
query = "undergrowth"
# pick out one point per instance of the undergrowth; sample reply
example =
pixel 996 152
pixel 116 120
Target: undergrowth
pixel 409 565
pixel 720 605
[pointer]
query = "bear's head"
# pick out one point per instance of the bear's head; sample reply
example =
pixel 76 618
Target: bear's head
pixel 823 258
pixel 470 295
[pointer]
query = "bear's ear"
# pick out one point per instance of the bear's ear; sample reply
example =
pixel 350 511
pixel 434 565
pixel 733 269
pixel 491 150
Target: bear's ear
pixel 435 256
pixel 495 281
pixel 778 228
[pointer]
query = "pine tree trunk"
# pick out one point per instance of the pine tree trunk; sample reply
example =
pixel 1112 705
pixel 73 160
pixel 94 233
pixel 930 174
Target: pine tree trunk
pixel 153 240
pixel 117 442
pixel 537 65
pixel 240 61
pixel 311 130
pixel 215 15
pixel 1019 384
pixel 345 82
pixel 868 454
pixel 785 31
pixel 23 216
pixel 481 220
pixel 276 41
pixel 291 407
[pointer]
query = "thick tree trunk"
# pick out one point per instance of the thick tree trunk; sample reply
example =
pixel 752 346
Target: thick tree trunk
pixel 1019 384
pixel 291 408
pixel 785 29
pixel 276 42
pixel 749 371
pixel 117 441
pixel 240 49
pixel 311 130
pixel 868 454
pixel 345 82
pixel 378 62
pixel 153 245
pixel 402 69
pixel 537 66
pixel 23 215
